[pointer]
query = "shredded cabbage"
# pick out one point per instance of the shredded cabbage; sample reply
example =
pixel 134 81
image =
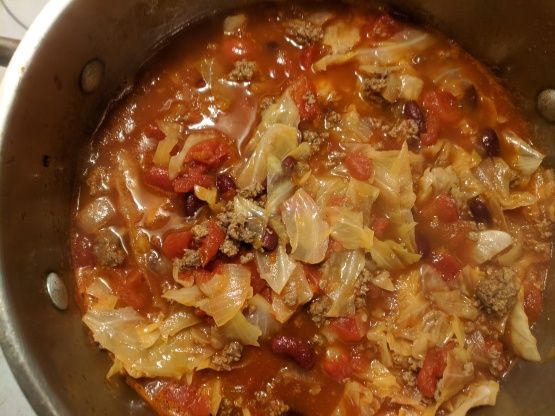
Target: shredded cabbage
pixel 481 393
pixel 279 186
pixel 357 396
pixel 165 146
pixel 221 297
pixel 297 292
pixel 526 159
pixel 340 274
pixel 276 268
pixel 520 337
pixel 391 255
pixel 242 330
pixel 496 176
pixel 307 230
pixel 261 315
pixel 341 37
pixel 346 228
pixel 138 347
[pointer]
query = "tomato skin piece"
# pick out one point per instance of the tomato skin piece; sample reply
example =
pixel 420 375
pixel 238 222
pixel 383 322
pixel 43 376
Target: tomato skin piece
pixel 300 89
pixel 211 152
pixel 158 177
pixel 443 104
pixel 337 365
pixel 211 243
pixel 432 369
pixel 447 264
pixel 181 398
pixel 446 208
pixel 383 28
pixel 533 302
pixel 175 243
pixel 359 166
pixel 349 328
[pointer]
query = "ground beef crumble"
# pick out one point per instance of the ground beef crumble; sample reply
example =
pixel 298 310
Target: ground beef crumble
pixel 303 32
pixel 252 192
pixel 190 260
pixel 497 291
pixel 315 139
pixel 373 86
pixel 404 131
pixel 108 249
pixel 318 308
pixel 229 355
pixel 242 71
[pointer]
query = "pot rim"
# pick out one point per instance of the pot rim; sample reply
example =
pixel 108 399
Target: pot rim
pixel 17 357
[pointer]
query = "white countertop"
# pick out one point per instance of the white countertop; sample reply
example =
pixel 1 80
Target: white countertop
pixel 15 18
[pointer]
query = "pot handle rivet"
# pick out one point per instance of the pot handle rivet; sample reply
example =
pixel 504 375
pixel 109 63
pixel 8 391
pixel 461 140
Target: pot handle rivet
pixel 546 104
pixel 57 291
pixel 91 75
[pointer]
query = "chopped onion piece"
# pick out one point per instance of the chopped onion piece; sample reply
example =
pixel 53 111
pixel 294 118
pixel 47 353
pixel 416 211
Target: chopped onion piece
pixel 526 159
pixel 489 244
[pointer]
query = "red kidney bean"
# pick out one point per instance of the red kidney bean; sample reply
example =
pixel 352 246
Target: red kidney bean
pixel 490 142
pixel 289 163
pixel 412 110
pixel 297 349
pixel 224 183
pixel 479 210
pixel 269 239
pixel 192 204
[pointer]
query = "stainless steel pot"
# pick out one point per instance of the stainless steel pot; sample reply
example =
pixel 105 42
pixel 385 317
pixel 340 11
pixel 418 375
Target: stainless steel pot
pixel 47 115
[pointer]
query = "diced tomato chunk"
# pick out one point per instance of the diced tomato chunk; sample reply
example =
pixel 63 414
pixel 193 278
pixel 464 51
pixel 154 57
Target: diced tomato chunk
pixel 133 290
pixel 180 398
pixel 211 152
pixel 211 243
pixel 237 47
pixel 432 369
pixel 349 328
pixel 380 226
pixel 309 55
pixel 194 174
pixel 447 264
pixel 359 166
pixel 383 28
pixel 153 132
pixel 158 177
pixel 533 303
pixel 176 242
pixel 446 208
pixel 337 364
pixel 304 95
pixel 430 136
pixel 443 104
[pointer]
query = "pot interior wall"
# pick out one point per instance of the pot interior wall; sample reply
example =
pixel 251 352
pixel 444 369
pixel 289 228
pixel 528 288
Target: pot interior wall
pixel 50 120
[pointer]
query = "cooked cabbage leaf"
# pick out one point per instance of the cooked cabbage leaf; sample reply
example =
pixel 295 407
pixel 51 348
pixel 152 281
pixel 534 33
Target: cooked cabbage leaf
pixel 391 255
pixel 521 339
pixel 240 329
pixel 307 230
pixel 526 159
pixel 297 292
pixel 346 228
pixel 481 393
pixel 341 37
pixel 340 274
pixel 275 268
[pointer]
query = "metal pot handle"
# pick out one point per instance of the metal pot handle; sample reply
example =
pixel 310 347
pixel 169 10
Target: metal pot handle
pixel 7 49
